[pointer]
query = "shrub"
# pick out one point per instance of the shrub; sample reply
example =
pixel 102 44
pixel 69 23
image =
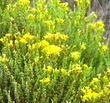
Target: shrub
pixel 51 54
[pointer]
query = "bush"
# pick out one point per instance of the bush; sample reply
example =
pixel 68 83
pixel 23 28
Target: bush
pixel 51 54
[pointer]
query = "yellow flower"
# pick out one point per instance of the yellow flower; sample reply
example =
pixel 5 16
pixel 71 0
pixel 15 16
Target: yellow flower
pixel 56 37
pixel 108 72
pixel 52 50
pixel 104 49
pixel 81 3
pixel 4 59
pixel 59 21
pixel 64 72
pixel 105 79
pixel 100 24
pixel 24 2
pixel 95 81
pixel 49 69
pixel 22 41
pixel 85 66
pixel 43 44
pixel 64 37
pixel 77 69
pixel 65 6
pixel 28 37
pixel 97 26
pixel 46 81
pixel 33 47
pixel 75 55
pixel 86 69
pixel 90 95
pixel 10 44
pixel 50 24
pixel 2 41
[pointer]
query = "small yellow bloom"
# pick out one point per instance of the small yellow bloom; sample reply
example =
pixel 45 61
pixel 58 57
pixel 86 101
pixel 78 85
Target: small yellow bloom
pixel 52 50
pixel 2 41
pixel 65 6
pixel 100 24
pixel 104 49
pixel 77 69
pixel 43 44
pixel 46 81
pixel 108 72
pixel 3 59
pixel 28 37
pixel 10 44
pixel 64 72
pixel 90 95
pixel 95 81
pixel 22 41
pixel 85 66
pixel 75 55
pixel 33 47
pixel 56 37
pixel 49 69
pixel 59 21
pixel 24 2
pixel 50 24
pixel 97 26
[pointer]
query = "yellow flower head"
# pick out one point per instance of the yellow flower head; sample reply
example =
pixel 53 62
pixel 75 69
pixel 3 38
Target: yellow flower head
pixel 90 95
pixel 28 37
pixel 75 55
pixel 108 72
pixel 77 69
pixel 52 50
pixel 24 2
pixel 56 37
pixel 100 24
pixel 49 69
pixel 33 47
pixel 64 6
pixel 104 49
pixel 59 21
pixel 23 41
pixel 43 44
pixel 2 41
pixel 64 72
pixel 45 81
pixel 50 24
pixel 4 59
pixel 95 81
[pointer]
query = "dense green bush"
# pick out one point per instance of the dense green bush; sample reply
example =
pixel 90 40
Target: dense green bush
pixel 51 54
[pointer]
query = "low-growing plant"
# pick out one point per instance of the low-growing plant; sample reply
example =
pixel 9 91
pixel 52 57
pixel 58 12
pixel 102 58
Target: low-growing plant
pixel 51 54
